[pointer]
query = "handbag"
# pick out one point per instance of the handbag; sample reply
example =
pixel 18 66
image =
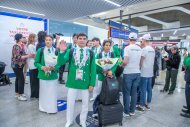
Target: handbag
pixel 119 71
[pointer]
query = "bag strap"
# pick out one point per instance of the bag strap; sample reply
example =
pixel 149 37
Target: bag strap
pixel 100 55
pixel 112 55
pixel 91 56
pixel 41 53
pixel 70 57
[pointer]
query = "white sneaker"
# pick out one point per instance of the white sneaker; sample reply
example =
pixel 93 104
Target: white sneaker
pixel 131 114
pixel 23 95
pixel 21 98
pixel 125 115
pixel 68 125
pixel 83 125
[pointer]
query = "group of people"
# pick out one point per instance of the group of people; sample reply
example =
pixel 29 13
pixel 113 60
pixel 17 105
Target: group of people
pixel 48 58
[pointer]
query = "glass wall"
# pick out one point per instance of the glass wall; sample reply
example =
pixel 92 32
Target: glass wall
pixel 66 28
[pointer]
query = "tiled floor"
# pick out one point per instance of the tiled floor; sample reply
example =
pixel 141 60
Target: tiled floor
pixel 164 112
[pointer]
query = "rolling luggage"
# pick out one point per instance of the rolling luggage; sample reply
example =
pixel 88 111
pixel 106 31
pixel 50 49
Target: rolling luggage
pixel 110 114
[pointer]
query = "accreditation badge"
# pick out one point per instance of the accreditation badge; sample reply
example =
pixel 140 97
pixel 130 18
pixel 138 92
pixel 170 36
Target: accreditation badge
pixel 79 74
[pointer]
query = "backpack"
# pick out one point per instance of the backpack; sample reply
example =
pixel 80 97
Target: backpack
pixel 100 55
pixel 110 91
pixel 5 79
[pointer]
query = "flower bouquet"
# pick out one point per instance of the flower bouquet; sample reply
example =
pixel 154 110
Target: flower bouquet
pixel 50 61
pixel 107 63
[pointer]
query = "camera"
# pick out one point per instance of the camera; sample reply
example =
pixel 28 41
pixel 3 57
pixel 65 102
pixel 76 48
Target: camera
pixel 59 34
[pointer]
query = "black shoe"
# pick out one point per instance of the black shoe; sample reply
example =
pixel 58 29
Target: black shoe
pixel 170 93
pixel 185 111
pixel 163 91
pixel 140 108
pixel 147 107
pixel 186 115
pixel 62 82
pixel 185 107
pixel 79 100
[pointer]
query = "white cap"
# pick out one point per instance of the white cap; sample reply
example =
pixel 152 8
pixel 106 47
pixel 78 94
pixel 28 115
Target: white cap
pixel 133 36
pixel 146 37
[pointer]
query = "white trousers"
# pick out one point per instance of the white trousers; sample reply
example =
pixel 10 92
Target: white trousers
pixel 48 96
pixel 97 89
pixel 71 97
pixel 79 96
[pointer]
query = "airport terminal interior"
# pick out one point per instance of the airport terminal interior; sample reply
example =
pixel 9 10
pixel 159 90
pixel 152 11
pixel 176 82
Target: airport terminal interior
pixel 94 63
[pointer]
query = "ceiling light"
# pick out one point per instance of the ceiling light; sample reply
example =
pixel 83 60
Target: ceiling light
pixel 99 14
pixel 111 2
pixel 78 23
pixel 22 10
pixel 175 32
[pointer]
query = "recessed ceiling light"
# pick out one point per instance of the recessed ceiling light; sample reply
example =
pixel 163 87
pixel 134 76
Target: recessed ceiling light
pixel 175 32
pixel 22 10
pixel 102 13
pixel 111 2
pixel 78 23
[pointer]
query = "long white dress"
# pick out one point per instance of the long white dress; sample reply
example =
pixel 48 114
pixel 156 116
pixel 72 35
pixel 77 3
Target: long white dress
pixel 48 92
pixel 48 96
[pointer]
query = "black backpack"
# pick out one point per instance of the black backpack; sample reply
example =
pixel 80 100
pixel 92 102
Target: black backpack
pixel 5 80
pixel 110 91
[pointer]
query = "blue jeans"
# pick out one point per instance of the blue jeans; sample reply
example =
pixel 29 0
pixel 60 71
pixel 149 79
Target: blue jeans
pixel 145 87
pixel 130 84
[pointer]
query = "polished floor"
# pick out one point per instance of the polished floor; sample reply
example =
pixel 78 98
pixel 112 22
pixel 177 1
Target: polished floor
pixel 165 109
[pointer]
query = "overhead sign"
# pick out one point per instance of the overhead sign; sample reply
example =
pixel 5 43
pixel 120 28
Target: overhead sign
pixel 120 31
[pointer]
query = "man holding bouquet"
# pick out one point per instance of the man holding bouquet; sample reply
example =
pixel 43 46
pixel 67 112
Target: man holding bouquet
pixel 81 77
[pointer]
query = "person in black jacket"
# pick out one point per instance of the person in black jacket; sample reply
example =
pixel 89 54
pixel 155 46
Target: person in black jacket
pixel 41 40
pixel 172 65
pixel 156 65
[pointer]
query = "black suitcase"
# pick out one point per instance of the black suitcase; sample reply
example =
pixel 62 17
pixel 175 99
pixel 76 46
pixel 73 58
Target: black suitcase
pixel 110 114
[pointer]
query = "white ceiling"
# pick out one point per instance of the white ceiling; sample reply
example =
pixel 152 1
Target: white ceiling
pixel 64 9
pixel 89 11
pixel 135 10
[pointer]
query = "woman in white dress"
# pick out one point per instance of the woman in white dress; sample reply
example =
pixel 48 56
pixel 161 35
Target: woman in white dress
pixel 46 62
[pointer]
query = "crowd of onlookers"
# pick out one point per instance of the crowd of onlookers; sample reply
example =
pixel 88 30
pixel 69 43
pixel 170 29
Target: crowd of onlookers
pixel 141 64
